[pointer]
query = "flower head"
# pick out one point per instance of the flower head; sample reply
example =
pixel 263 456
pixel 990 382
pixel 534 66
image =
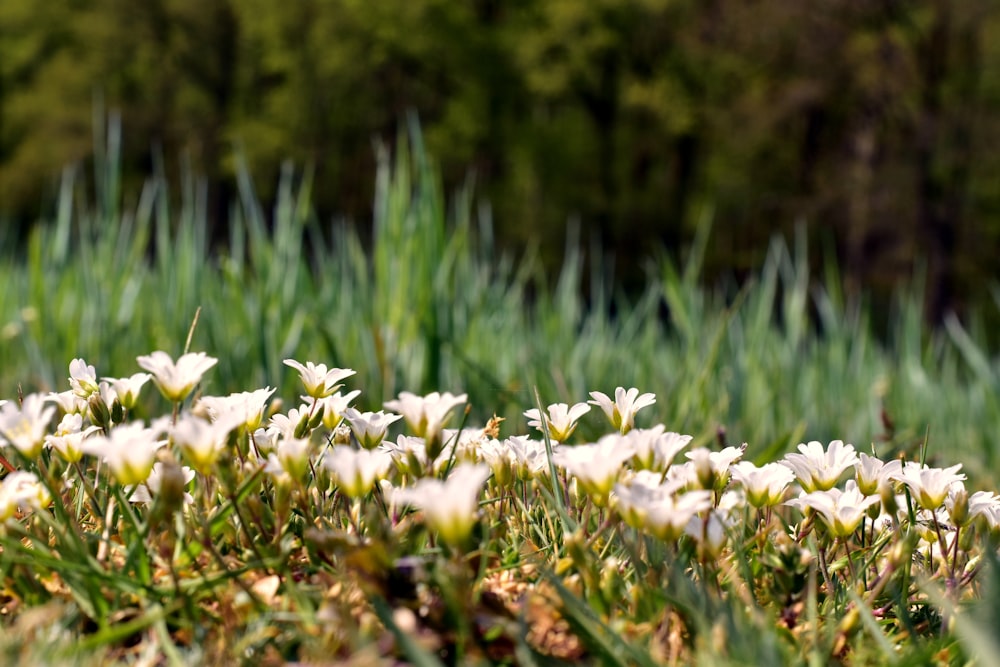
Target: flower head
pixel 709 533
pixel 202 442
pixel 248 404
pixel 23 491
pixel 127 389
pixel 68 439
pixel 621 411
pixel 987 505
pixel 82 378
pixel 128 449
pixel 333 406
pixel 930 486
pixel 24 427
pixel 765 486
pixel 654 449
pixel 426 415
pixel 318 380
pixel 596 466
pixel 145 492
pixel 841 511
pixel 176 380
pixel 659 509
pixel 67 401
pixel 530 457
pixel 369 427
pixel 712 468
pixel 871 473
pixel 450 506
pixel 290 459
pixel 356 470
pixel 293 425
pixel 818 469
pixel 560 419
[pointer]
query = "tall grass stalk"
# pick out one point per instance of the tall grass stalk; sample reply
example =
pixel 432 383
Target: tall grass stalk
pixel 428 302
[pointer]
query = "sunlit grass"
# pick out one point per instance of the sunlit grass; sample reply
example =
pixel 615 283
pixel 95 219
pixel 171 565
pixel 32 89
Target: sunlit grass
pixel 229 530
pixel 432 303
pixel 275 554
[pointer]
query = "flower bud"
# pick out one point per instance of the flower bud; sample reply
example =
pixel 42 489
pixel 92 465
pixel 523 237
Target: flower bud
pixel 706 476
pixel 170 496
pixel 99 413
pixel 959 510
pixel 967 538
pixel 850 622
pixel 888 496
pixel 317 418
pixel 342 435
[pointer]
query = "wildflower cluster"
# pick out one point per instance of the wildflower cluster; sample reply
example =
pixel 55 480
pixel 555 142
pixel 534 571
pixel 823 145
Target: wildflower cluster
pixel 376 520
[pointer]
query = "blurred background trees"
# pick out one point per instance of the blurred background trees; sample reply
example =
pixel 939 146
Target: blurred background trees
pixel 873 123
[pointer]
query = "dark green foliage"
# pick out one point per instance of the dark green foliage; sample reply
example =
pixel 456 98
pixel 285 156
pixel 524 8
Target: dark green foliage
pixel 874 122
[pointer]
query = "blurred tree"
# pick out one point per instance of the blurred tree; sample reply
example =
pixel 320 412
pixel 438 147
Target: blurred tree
pixel 872 120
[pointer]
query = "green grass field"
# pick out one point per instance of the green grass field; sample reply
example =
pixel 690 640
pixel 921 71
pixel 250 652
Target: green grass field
pixel 264 565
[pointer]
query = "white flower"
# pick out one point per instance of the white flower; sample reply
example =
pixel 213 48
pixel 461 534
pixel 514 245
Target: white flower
pixel 685 475
pixel 24 427
pixel 731 505
pixel 176 380
pixel 765 486
pixel 129 450
pixel 466 442
pixel 202 442
pixel 530 456
pixel 127 389
pixel 69 436
pixel 333 406
pixel 82 378
pixel 100 404
pixel 987 505
pixel 317 379
pixel 654 449
pixel 818 469
pixel 409 454
pixel 499 457
pixel 265 440
pixel 290 457
pixel 709 533
pixel 929 486
pixel 669 519
pixel 450 507
pixel 872 472
pixel 67 401
pixel 145 492
pixel 356 470
pixel 621 411
pixel 637 493
pixel 369 427
pixel 23 491
pixel 248 404
pixel 294 424
pixel 841 511
pixel 712 468
pixel 425 415
pixel 560 419
pixel 595 466
pixel 658 508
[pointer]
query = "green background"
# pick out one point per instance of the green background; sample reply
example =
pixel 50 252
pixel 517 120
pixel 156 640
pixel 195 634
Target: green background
pixel 874 123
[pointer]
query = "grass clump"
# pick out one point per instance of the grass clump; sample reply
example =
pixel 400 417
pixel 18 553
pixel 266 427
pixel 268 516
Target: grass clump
pixel 225 521
pixel 429 301
pixel 230 530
